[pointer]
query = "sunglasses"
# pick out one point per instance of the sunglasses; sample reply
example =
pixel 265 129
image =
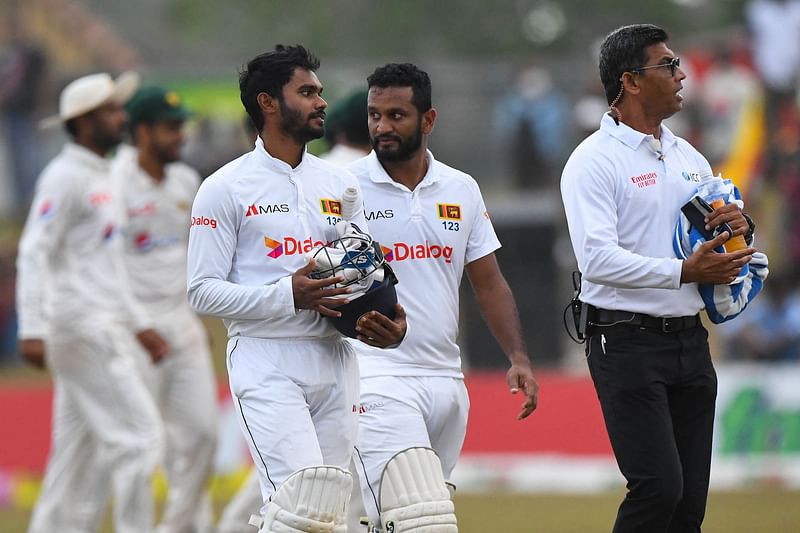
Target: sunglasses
pixel 672 66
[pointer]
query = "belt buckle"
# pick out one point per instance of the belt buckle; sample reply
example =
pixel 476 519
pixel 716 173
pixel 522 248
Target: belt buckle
pixel 667 325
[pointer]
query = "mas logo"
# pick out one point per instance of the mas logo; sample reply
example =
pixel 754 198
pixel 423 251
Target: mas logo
pixel 449 211
pixel 290 246
pixel 255 210
pixel 330 207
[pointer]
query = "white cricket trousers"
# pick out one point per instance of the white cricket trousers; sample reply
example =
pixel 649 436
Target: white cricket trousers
pixel 105 427
pixel 297 403
pixel 401 412
pixel 185 392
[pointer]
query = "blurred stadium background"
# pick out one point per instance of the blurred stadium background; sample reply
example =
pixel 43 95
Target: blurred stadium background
pixel 516 87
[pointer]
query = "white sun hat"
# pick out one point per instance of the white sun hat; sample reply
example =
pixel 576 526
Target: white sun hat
pixel 90 92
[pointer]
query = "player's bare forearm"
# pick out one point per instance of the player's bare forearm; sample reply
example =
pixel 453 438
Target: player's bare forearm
pixel 499 310
pixel 497 306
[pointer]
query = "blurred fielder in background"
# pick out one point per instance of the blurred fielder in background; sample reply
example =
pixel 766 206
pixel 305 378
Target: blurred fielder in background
pixel 158 192
pixel 433 225
pixel 76 313
pixel 346 129
pixel 293 377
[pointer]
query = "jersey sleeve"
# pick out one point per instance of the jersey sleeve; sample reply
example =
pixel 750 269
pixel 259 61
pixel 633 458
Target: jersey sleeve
pixel 482 237
pixel 212 247
pixel 54 206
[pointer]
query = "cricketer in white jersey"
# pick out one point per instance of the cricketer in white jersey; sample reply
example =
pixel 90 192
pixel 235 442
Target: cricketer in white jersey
pixel 253 221
pixel 432 224
pixel 75 304
pixel 293 377
pixel 347 121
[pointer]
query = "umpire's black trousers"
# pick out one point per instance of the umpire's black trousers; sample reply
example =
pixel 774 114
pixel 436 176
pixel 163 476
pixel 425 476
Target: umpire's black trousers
pixel 657 391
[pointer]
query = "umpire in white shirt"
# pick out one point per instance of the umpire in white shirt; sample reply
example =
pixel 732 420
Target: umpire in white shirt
pixel 647 351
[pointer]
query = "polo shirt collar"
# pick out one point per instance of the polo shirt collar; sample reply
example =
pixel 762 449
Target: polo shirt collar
pixel 379 175
pixel 273 163
pixel 633 138
pixel 86 157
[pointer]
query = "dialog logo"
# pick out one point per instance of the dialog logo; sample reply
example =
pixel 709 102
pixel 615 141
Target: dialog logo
pixel 204 221
pixel 401 251
pixel 290 246
pixel 275 247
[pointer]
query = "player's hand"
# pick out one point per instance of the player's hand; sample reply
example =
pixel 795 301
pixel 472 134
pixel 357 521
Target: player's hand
pixel 520 378
pixel 33 352
pixel 154 343
pixel 377 329
pixel 730 214
pixel 707 266
pixel 314 294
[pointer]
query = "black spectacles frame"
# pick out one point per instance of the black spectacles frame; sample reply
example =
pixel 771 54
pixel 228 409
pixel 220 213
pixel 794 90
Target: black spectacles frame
pixel 672 65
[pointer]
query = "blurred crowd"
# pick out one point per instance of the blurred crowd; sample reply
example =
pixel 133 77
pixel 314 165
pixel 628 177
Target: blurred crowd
pixel 741 110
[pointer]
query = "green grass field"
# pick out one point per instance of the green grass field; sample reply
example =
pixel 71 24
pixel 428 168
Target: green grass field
pixel 757 511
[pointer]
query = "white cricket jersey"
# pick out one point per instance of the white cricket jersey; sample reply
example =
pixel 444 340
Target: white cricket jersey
pixel 69 267
pixel 253 221
pixel 622 202
pixel 428 235
pixel 157 231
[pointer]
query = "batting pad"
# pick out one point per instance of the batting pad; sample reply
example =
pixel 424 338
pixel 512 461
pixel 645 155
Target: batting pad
pixel 312 500
pixel 414 497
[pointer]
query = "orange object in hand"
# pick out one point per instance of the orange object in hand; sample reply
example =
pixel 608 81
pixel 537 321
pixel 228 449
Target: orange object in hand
pixel 736 242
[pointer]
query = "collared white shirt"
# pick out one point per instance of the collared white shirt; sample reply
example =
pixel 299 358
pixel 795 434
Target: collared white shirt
pixel 69 266
pixel 622 202
pixel 428 235
pixel 157 231
pixel 253 221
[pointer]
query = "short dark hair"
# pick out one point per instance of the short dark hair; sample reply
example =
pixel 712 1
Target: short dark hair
pixel 623 50
pixel 348 116
pixel 404 75
pixel 269 73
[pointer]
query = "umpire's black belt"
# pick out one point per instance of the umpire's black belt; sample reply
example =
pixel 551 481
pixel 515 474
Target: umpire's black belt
pixel 604 317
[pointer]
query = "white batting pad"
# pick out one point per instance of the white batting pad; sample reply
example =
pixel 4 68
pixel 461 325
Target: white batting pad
pixel 312 500
pixel 414 497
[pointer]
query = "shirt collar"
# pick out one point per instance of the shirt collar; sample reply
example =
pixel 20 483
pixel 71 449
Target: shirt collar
pixel 274 163
pixel 379 175
pixel 633 138
pixel 84 156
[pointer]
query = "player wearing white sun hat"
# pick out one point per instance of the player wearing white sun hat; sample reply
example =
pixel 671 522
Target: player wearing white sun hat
pixel 75 316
